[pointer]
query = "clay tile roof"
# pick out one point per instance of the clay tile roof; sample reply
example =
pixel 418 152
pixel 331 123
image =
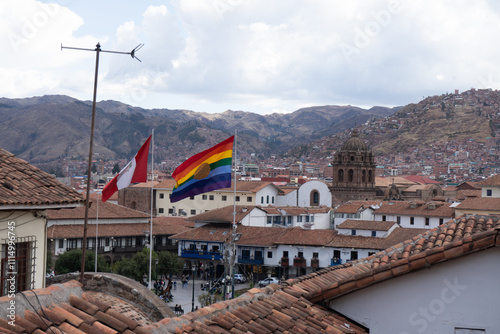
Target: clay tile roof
pixel 65 308
pixel 294 306
pixel 107 210
pixel 22 184
pixel 431 209
pixel 480 203
pixel 463 194
pixel 209 232
pixel 224 214
pixel 257 236
pixel 299 236
pixel 492 181
pixel 366 225
pixel 58 231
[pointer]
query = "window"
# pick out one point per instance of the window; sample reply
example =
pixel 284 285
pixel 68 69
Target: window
pixel 249 199
pixel 299 219
pixel 398 219
pixel 204 197
pixel 441 221
pixel 211 197
pixel 23 260
pixel 237 198
pixel 300 254
pixel 193 212
pixel 341 175
pixel 353 232
pixel 204 248
pixel 489 192
pixel 272 199
pixel 285 253
pixel 224 197
pixel 427 221
pixel 160 210
pixel 162 195
pixel 61 243
pixel 269 255
pixel 412 220
pixel 315 255
pixel 267 199
pixel 269 219
pixel 262 200
pixel 289 220
pixel 314 198
pixel 374 233
pixel 351 175
pixel 371 253
pixel 191 198
pixel 336 254
pixel 128 242
pixel 354 255
pixel 170 211
pixel 72 244
pixel 192 247
pixel 307 219
pixel 215 249
pixel 384 218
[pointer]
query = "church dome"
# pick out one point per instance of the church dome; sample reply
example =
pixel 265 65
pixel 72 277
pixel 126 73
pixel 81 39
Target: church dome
pixel 354 143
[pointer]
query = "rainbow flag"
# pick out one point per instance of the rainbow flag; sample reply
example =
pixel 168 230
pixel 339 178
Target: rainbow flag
pixel 206 171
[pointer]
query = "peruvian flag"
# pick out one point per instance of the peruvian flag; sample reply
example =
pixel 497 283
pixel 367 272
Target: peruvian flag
pixel 135 171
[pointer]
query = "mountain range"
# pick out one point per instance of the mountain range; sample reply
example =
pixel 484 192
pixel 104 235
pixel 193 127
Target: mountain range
pixel 47 128
pixel 41 129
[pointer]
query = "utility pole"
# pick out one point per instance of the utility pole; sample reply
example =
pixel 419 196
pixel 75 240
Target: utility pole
pixel 89 171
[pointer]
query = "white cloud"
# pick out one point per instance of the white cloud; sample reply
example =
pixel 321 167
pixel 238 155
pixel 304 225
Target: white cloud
pixel 253 55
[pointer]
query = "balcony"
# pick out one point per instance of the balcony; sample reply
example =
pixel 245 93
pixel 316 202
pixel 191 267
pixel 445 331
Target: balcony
pixel 336 261
pixel 299 262
pixel 199 254
pixel 251 260
pixel 284 262
pixel 314 262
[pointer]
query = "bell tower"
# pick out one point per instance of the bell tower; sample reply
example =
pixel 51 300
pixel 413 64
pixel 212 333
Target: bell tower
pixel 353 172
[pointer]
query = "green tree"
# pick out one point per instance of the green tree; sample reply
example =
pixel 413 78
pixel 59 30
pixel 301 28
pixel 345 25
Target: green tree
pixel 169 263
pixel 116 169
pixel 94 168
pixel 136 266
pixel 71 261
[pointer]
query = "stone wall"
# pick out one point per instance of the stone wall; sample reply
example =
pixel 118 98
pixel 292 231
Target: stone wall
pixel 121 287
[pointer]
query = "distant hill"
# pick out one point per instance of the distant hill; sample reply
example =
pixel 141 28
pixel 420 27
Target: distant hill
pixel 448 119
pixel 41 129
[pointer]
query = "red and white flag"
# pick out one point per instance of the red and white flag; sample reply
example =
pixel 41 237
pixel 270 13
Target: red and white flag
pixel 135 171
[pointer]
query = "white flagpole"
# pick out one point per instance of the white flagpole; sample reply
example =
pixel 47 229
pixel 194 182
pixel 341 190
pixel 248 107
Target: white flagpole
pixel 151 222
pixel 234 219
pixel 96 230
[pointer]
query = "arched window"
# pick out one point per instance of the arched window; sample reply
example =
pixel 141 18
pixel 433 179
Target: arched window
pixel 341 175
pixel 351 175
pixel 314 198
pixel 267 201
pixel 370 176
pixel 363 176
pixel 262 200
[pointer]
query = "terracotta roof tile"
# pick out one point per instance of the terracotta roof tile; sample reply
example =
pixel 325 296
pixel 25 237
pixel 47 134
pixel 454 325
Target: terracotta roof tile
pixel 107 210
pixel 81 317
pixel 22 184
pixel 113 230
pixel 480 203
pixel 366 225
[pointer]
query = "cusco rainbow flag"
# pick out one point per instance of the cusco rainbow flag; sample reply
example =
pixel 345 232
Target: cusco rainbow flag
pixel 206 171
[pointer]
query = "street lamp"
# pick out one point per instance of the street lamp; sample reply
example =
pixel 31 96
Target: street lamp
pixel 156 262
pixel 194 271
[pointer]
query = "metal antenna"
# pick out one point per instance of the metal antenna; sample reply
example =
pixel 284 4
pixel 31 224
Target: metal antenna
pixel 89 166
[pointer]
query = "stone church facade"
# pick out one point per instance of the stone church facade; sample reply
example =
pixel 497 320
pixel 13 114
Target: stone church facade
pixel 353 172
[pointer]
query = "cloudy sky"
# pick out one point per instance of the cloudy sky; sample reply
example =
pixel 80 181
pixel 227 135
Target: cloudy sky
pixel 251 55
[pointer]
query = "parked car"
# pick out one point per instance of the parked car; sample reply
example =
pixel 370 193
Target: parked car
pixel 239 278
pixel 269 280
